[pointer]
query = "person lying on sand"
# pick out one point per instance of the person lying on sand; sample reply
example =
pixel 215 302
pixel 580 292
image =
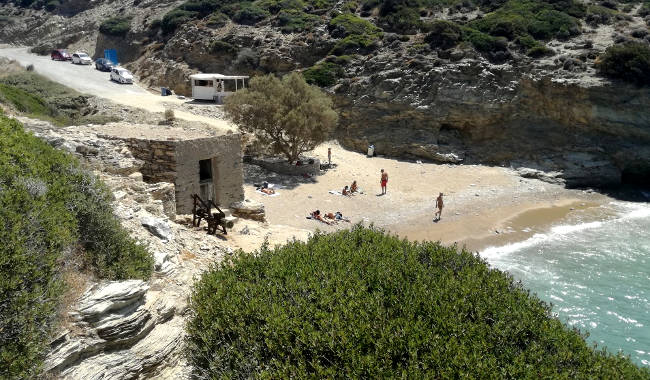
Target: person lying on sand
pixel 354 188
pixel 339 216
pixel 267 191
pixel 317 215
pixel 346 192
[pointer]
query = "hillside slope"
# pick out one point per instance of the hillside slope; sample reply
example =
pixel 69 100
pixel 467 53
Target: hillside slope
pixel 505 82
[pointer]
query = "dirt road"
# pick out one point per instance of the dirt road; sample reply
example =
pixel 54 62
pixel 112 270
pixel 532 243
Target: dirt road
pixel 87 80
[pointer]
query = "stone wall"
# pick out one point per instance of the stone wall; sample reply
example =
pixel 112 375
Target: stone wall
pixel 159 159
pixel 227 169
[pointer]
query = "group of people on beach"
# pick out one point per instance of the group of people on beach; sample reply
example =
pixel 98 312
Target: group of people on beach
pixel 330 218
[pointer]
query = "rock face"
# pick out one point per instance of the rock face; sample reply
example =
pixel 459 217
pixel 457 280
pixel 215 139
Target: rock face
pixel 158 227
pixel 127 332
pixel 594 135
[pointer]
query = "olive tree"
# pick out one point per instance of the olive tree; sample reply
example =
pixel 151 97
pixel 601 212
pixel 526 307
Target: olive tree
pixel 287 115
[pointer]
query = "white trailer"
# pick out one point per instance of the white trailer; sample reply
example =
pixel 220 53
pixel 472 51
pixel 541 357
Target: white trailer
pixel 216 86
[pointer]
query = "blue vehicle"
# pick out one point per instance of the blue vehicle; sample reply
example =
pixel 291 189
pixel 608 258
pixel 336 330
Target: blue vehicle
pixel 103 64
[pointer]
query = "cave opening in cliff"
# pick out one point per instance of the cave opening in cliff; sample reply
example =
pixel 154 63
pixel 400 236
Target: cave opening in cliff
pixel 636 177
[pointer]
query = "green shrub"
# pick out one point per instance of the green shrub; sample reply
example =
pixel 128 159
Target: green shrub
pixel 597 15
pixel 323 74
pixel 359 35
pixel 629 62
pixel 484 42
pixel 116 26
pixel 48 205
pixel 175 18
pixel 351 24
pixel 361 304
pixel 293 21
pixel 551 23
pixel 542 20
pixel 275 6
pixel 539 51
pixel 217 20
pixel 222 47
pixel 250 14
pixel 354 43
pixel 403 20
pixel 443 34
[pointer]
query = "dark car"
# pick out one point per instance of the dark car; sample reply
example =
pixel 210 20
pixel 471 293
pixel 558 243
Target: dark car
pixel 60 55
pixel 103 64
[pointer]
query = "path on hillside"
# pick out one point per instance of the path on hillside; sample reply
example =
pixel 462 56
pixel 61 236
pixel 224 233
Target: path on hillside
pixel 87 80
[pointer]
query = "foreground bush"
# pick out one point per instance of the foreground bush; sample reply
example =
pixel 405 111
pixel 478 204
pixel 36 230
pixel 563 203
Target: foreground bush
pixel 48 206
pixel 361 304
pixel 629 61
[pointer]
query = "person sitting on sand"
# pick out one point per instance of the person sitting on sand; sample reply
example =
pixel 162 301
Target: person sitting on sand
pixel 316 215
pixel 354 188
pixel 345 191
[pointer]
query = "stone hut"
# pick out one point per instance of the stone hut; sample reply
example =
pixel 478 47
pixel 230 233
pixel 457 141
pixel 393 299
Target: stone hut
pixel 207 162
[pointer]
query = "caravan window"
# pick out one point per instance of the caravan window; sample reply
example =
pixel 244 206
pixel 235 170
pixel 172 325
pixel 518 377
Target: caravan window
pixel 203 83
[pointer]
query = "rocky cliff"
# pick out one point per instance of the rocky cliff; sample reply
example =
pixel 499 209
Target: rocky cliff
pixel 550 113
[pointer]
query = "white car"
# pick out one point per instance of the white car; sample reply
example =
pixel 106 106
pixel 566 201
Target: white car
pixel 121 75
pixel 81 59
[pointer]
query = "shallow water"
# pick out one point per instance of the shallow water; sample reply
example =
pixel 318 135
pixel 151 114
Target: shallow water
pixel 595 270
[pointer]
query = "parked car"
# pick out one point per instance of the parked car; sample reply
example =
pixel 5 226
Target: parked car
pixel 121 75
pixel 60 55
pixel 80 58
pixel 103 64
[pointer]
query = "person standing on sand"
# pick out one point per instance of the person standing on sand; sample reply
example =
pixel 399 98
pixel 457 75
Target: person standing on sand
pixel 329 156
pixel 439 206
pixel 383 181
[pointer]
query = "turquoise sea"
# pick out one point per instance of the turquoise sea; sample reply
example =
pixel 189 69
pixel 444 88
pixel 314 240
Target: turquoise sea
pixel 595 272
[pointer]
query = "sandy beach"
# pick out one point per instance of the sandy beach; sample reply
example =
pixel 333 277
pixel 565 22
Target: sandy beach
pixel 483 205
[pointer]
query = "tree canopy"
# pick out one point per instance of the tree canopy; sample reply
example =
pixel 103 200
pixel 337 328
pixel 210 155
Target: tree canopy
pixel 363 304
pixel 287 115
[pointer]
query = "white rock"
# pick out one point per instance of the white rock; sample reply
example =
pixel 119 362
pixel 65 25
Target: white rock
pixel 158 227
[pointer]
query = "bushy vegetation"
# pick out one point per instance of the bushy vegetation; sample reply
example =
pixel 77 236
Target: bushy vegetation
pixel 363 305
pixel 323 74
pixel 38 97
pixel 222 47
pixel 629 62
pixel 286 115
pixel 443 34
pixel 249 14
pixel 49 206
pixel 357 35
pixel 116 26
pixel 540 19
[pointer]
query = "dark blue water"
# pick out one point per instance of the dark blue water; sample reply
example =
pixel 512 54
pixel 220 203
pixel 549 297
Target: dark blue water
pixel 595 273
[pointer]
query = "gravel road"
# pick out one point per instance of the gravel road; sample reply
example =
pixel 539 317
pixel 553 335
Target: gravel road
pixel 87 80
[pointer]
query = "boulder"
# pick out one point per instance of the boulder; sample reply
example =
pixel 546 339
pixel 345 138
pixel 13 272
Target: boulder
pixel 248 209
pixel 158 227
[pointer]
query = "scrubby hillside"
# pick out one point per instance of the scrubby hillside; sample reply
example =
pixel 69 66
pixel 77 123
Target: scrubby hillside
pixel 533 83
pixel 56 222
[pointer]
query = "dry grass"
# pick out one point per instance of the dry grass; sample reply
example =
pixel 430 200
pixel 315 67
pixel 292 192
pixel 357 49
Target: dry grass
pixel 77 278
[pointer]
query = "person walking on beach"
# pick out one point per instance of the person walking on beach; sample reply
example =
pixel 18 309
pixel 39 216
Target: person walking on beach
pixel 439 206
pixel 329 156
pixel 383 181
